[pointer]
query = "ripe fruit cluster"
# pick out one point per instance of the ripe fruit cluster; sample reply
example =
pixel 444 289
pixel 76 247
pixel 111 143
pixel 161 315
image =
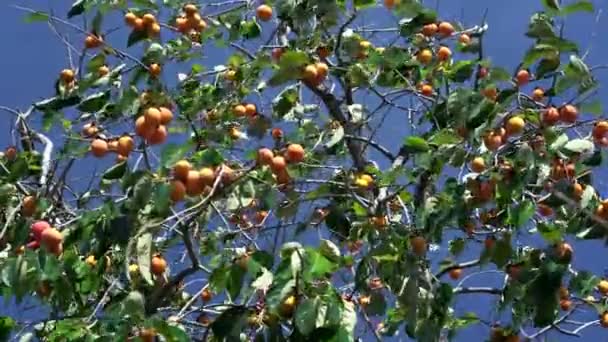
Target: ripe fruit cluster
pixel 190 22
pixel 152 125
pixel 122 146
pixel 242 110
pixel 315 74
pixel 146 22
pixel 42 234
pixel 294 153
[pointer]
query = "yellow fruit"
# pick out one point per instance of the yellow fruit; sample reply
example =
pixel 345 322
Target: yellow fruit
pixel 478 165
pixel 602 286
pixel 515 125
pixel 181 169
pixel 444 53
pixel 125 145
pixel 425 56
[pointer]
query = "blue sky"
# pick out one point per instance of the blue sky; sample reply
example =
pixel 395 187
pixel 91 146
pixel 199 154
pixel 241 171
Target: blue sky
pixel 33 56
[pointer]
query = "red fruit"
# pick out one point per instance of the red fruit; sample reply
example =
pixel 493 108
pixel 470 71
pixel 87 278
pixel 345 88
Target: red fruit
pixel 522 77
pixel 551 116
pixel 295 153
pixel 33 245
pixel 37 228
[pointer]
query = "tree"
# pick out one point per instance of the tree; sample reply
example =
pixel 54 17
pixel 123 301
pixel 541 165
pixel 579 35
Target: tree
pixel 254 195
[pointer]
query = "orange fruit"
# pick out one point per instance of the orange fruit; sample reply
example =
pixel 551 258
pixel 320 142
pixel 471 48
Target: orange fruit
pixel 391 3
pixel 260 216
pixel 158 136
pixel 278 164
pixel 265 156
pixel 193 20
pixel 190 9
pixel 148 19
pixel 152 116
pixel 430 30
pixel 125 145
pixel 130 19
pixel 103 70
pixel 563 292
pixel 464 39
pixel 67 75
pixel 207 176
pixel 143 128
pixel 154 70
pixel 229 175
pixel 235 133
pixel 515 125
pixel 564 252
pixel 425 56
pixel 154 30
pixel 426 90
pixel 206 295
pixel 419 245
pixel 277 133
pixel 250 109
pixel 139 25
pixel 600 129
pixel 604 319
pixel 490 93
pixel 51 238
pixel 445 29
pixel 10 153
pixel 577 190
pixel 89 130
pixel 178 191
pixel 538 94
pixel 323 52
pixel 478 165
pixel 92 41
pixel 193 183
pixel 113 145
pixel 165 115
pixel 147 335
pixel 444 53
pixel 181 24
pixel 99 148
pixel 522 77
pixel 158 265
pixel 568 113
pixel 181 169
pixel 310 73
pixel 264 12
pixel 545 210
pixel 322 69
pixel 565 304
pixel 277 53
pixel 239 110
pixel 602 286
pixel 295 153
pixel 29 205
pixel 455 273
pixel 551 116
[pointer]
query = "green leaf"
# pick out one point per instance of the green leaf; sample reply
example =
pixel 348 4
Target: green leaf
pixel 306 315
pixel 94 102
pixel 36 16
pixel 290 67
pixel 235 281
pixel 136 36
pixel 461 71
pixel 359 4
pixel 144 256
pixel 329 250
pixel 538 51
pixel 77 8
pixel 424 16
pixel 457 246
pixel 593 107
pixel 579 6
pixel 541 26
pixel 161 200
pixel 116 171
pixel 134 303
pixel 377 305
pixel 416 144
pixel 521 214
pixel 445 136
pixel 172 153
pixel 250 29
pixel 549 231
pixel 583 283
pixel 230 323
pixel 502 252
pixel 6 325
pixel 57 103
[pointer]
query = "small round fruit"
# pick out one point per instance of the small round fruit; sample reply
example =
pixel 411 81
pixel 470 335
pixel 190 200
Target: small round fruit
pixel 67 75
pixel 181 169
pixel 391 3
pixel 154 69
pixel 426 90
pixel 310 73
pixel 278 164
pixel 564 252
pixel 277 133
pixel 99 148
pixel 365 300
pixel 207 176
pixel 602 286
pixel 568 113
pixel 190 9
pixel 139 25
pixel 165 115
pixel 143 128
pixel 490 93
pixel 10 153
pixel 51 238
pixel 545 210
pixel 125 145
pixel 478 165
pixel 91 261
pixel 230 75
pixel 604 319
pixel 178 191
pixel 92 41
pixel 551 116
pixel 130 19
pixel 522 77
pixel 444 53
pixel 482 73
pixel 181 24
pixel 455 273
pixel 430 30
pixel 445 29
pixel 419 245
pixel 239 110
pixel 538 94
pixel 288 306
pixel 250 109
pixel 147 335
pixel 158 265
pixel 152 116
pixel 159 135
pixel 277 53
pixel 322 69
pixel 577 190
pixel 154 30
pixel 295 153
pixel 194 186
pixel 464 39
pixel 563 292
pixel 148 19
pixel 425 56
pixel 37 228
pixel 235 133
pixel 29 205
pixel 265 156
pixel 264 12
pixel 206 295
pixel 565 304
pixel 515 125
pixel 323 52
pixel 103 70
